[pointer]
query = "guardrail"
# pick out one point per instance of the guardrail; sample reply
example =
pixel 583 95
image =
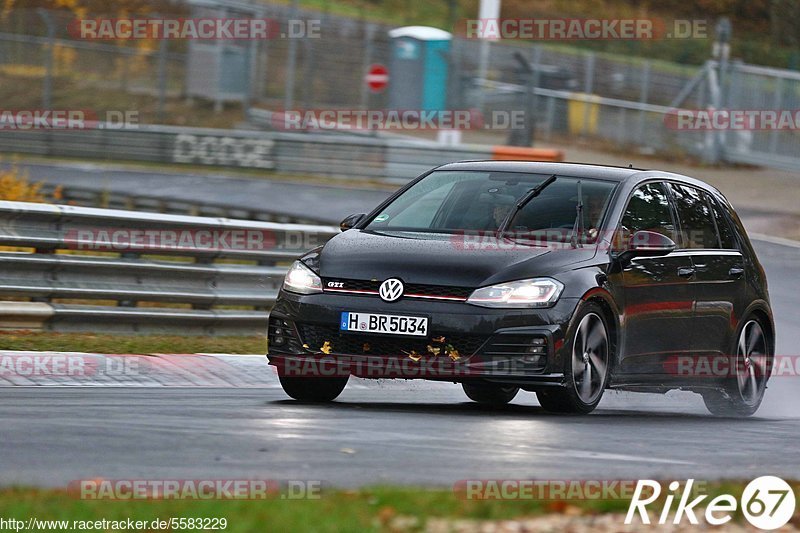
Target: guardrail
pixel 87 269
pixel 107 199
pixel 314 154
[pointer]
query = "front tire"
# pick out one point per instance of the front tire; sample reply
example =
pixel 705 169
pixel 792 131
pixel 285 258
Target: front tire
pixel 744 393
pixel 489 393
pixel 313 389
pixel 587 369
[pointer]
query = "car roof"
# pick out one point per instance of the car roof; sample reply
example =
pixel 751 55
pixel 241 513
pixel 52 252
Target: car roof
pixel 607 172
pixel 580 170
pixel 540 167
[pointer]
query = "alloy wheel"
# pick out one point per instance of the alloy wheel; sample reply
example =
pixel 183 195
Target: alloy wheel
pixel 590 358
pixel 752 368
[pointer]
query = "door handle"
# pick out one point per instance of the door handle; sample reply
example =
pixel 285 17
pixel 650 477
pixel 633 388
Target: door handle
pixel 736 272
pixel 686 272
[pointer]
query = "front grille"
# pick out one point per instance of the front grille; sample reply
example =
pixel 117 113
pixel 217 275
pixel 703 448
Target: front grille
pixel 438 290
pixel 411 290
pixel 369 344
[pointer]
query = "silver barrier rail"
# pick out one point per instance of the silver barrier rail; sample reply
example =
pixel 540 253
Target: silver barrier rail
pixel 70 268
pixel 109 199
pixel 312 154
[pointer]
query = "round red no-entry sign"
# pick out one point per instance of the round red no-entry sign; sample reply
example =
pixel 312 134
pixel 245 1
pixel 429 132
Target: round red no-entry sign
pixel 377 78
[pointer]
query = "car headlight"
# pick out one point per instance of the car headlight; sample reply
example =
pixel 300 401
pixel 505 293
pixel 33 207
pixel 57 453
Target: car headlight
pixel 301 279
pixel 540 292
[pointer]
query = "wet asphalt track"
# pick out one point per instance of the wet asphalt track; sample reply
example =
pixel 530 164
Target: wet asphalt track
pixel 403 432
pixel 325 204
pixel 398 432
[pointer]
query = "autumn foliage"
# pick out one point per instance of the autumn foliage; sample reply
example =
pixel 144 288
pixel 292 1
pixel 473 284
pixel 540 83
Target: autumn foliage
pixel 15 186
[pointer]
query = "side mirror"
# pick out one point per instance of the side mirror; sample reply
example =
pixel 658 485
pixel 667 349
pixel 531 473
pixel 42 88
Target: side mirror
pixel 350 221
pixel 649 244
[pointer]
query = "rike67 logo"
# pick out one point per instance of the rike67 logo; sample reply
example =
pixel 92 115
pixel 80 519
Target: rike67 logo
pixel 767 502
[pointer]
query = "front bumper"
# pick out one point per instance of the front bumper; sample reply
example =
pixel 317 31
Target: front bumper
pixel 522 346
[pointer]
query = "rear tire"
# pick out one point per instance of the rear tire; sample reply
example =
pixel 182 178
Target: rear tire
pixel 744 393
pixel 316 390
pixel 489 393
pixel 587 368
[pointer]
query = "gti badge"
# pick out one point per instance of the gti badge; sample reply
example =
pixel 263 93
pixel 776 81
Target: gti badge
pixel 390 290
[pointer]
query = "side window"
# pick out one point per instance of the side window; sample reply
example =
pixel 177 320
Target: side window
pixel 648 209
pixel 726 236
pixel 696 220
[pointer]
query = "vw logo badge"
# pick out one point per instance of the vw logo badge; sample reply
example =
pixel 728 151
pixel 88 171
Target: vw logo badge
pixel 391 290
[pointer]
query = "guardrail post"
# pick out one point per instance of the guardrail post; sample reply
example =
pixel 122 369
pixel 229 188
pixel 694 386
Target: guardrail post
pixel 212 283
pixel 129 303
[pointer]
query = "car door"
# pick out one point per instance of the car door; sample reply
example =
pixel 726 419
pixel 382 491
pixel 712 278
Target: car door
pixel 656 291
pixel 718 279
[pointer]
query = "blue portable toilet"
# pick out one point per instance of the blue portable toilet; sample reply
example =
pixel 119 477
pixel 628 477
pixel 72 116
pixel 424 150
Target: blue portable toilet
pixel 418 68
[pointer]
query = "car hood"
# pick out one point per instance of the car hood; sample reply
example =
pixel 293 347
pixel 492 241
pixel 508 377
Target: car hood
pixel 440 259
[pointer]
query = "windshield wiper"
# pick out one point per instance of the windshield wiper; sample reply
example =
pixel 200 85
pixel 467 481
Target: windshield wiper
pixel 527 197
pixel 578 226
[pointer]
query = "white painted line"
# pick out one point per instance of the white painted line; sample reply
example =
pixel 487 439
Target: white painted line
pixel 618 457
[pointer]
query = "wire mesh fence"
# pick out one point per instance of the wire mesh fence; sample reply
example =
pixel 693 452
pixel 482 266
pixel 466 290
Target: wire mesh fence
pixel 193 82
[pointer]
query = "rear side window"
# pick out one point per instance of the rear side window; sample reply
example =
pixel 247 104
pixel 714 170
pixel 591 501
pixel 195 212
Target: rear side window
pixel 648 209
pixel 726 235
pixel 698 229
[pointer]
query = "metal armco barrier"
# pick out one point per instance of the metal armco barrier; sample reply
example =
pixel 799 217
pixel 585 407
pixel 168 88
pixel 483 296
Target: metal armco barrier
pixel 87 197
pixel 86 269
pixel 314 154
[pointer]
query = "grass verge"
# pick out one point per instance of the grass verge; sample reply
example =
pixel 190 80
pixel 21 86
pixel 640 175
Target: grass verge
pixel 369 509
pixel 129 344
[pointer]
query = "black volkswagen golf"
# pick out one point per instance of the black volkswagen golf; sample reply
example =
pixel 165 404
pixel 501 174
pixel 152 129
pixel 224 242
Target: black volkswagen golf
pixel 555 278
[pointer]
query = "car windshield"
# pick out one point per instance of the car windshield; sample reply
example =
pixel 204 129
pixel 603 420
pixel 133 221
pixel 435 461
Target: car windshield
pixel 457 201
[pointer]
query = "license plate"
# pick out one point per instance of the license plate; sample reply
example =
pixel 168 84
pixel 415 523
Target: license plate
pixel 390 324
